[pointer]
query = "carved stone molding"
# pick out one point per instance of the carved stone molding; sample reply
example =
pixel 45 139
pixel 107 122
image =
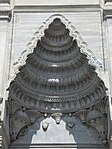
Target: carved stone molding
pixel 5 12
pixel 20 120
pixel 96 117
pixel 98 121
pixel 57 117
pixel 4 1
pixel 107 1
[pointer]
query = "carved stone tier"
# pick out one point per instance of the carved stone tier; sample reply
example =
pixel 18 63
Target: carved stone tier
pixel 57 76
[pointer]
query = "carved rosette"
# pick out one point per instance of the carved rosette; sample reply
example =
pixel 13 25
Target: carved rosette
pixel 56 79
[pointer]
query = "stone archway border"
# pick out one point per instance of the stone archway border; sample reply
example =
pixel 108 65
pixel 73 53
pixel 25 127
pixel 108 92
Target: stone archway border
pixel 40 33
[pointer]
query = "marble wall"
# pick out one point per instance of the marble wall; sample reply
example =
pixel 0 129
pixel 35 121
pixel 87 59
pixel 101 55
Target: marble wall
pixel 92 19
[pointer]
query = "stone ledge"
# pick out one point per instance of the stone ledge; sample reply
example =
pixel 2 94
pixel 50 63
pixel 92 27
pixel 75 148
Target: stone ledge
pixel 5 11
pixel 107 13
pixel 4 1
pixel 40 5
pixel 108 1
pixel 59 146
pixel 52 2
pixel 57 8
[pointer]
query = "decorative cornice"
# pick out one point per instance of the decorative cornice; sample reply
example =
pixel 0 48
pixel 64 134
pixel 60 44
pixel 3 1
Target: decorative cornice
pixel 107 9
pixel 4 1
pixel 107 14
pixel 58 2
pixel 106 1
pixel 5 12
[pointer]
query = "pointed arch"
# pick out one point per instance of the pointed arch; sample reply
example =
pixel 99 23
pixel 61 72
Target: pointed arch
pixel 56 79
pixel 40 33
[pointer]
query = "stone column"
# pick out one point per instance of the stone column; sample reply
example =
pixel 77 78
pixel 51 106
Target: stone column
pixel 108 56
pixel 5 14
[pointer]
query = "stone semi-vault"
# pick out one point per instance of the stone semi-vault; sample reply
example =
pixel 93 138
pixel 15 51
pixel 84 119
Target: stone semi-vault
pixel 57 96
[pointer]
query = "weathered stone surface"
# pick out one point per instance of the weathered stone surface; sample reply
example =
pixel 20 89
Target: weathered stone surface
pixel 51 2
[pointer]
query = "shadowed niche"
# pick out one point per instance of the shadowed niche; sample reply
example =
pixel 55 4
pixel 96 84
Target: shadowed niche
pixel 58 82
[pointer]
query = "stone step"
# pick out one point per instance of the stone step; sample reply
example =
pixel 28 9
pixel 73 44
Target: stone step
pixel 59 146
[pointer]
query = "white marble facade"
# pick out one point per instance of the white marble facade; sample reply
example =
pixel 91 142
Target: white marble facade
pixel 20 19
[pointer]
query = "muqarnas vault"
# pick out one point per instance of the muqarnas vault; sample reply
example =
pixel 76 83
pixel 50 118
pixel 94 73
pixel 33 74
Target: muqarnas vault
pixel 58 82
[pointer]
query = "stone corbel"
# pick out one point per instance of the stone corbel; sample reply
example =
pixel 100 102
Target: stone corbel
pixel 96 118
pixel 20 121
pixel 98 121
pixel 57 117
